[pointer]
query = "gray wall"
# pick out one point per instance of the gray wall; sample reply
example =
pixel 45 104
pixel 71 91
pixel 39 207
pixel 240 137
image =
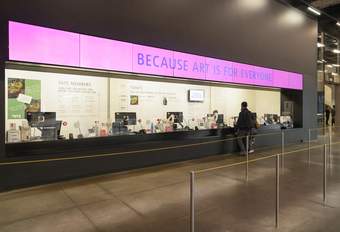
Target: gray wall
pixel 234 30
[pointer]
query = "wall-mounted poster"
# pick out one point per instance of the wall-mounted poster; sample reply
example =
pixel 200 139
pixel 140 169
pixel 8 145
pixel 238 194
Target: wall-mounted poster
pixel 23 96
pixel 134 100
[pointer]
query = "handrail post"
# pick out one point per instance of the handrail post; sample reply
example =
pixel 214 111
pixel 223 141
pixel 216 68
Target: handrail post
pixel 247 157
pixel 324 173
pixel 277 205
pixel 192 201
pixel 330 150
pixel 282 149
pixel 309 145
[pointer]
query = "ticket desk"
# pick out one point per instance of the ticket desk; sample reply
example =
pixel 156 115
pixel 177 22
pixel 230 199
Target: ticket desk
pixel 128 152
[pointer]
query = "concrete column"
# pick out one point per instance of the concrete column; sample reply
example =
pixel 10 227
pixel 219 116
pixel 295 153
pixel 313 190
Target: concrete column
pixel 3 58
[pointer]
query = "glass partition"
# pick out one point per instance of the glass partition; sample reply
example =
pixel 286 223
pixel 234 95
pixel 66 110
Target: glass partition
pixel 50 106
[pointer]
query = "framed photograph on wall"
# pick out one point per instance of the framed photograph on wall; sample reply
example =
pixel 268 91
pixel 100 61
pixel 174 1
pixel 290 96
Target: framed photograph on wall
pixel 134 100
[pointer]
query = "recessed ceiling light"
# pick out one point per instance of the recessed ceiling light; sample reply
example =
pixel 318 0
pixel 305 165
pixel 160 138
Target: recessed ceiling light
pixel 337 51
pixel 329 65
pixel 336 65
pixel 338 24
pixel 314 11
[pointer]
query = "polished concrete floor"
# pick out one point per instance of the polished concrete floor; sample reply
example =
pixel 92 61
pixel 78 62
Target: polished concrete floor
pixel 157 199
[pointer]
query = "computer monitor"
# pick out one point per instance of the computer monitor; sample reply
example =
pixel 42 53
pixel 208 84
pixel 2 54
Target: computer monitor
pixel 178 116
pixel 58 126
pixel 45 122
pixel 271 118
pixel 220 119
pixel 41 119
pixel 196 95
pixel 127 118
pixel 118 128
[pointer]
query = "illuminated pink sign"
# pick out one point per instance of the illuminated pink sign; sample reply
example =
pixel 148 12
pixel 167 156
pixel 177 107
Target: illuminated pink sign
pixel 106 54
pixel 43 45
pixel 49 46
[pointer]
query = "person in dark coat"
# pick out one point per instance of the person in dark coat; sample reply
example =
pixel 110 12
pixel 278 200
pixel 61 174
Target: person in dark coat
pixel 333 115
pixel 243 125
pixel 328 112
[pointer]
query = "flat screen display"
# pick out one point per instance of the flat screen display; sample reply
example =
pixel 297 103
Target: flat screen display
pixel 220 119
pixel 41 118
pixel 196 95
pixel 127 118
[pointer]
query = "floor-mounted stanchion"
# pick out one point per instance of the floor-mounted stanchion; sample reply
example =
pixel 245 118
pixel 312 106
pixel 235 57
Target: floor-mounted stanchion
pixel 247 157
pixel 309 145
pixel 324 173
pixel 330 150
pixel 277 205
pixel 282 149
pixel 192 202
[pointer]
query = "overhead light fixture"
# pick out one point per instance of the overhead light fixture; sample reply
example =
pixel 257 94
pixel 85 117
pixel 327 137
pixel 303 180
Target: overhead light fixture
pixel 337 51
pixel 329 65
pixel 320 61
pixel 313 10
pixel 338 24
pixel 320 45
pixel 336 65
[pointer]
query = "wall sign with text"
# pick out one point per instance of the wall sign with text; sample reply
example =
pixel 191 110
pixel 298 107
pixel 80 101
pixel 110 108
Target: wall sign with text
pixel 49 46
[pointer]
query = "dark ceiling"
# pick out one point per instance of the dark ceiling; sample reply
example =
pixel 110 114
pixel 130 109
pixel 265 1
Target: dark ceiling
pixel 327 23
pixel 330 7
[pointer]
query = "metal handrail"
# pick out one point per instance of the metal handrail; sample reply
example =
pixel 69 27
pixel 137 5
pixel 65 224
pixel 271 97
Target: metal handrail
pixel 279 157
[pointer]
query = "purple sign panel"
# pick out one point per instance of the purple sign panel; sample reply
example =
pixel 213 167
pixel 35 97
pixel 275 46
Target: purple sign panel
pixel 193 67
pixel 49 46
pixel 106 54
pixel 151 60
pixel 43 45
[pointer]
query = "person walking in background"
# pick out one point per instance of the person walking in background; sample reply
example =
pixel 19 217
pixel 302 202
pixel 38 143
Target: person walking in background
pixel 328 112
pixel 333 115
pixel 243 127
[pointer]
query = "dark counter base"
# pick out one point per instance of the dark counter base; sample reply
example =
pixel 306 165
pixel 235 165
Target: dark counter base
pixel 22 175
pixel 113 143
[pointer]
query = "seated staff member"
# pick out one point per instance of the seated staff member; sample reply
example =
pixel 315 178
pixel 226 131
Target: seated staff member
pixel 215 115
pixel 244 125
pixel 212 120
pixel 333 112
